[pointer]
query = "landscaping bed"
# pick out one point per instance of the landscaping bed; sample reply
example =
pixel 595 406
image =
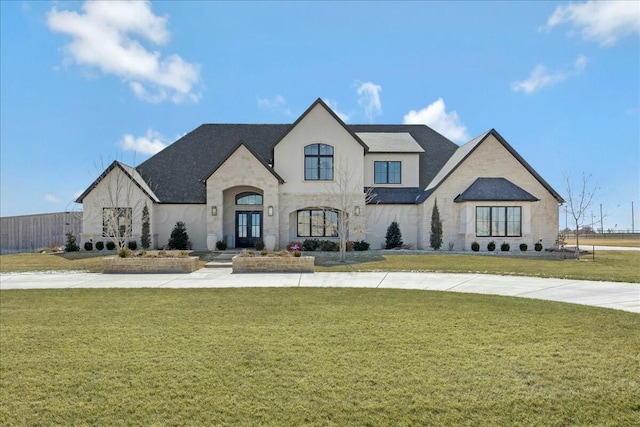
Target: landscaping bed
pixel 148 264
pixel 273 263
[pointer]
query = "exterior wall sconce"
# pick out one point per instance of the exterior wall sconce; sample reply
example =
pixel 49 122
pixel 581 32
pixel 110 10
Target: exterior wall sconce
pixel 214 211
pixel 356 211
pixel 270 210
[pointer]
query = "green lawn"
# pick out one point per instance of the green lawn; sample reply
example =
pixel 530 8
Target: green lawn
pixel 330 357
pixel 617 266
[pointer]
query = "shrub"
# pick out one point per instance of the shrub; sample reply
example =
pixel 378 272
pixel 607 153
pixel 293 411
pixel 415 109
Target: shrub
pixel 132 245
pixel 294 246
pixel 451 246
pixel 523 247
pixel 111 245
pixel 475 246
pixel 259 245
pixel 328 246
pixel 310 244
pixel 348 245
pixel 179 238
pixel 99 245
pixel 491 246
pixel 393 239
pixel 435 239
pixel 361 245
pixel 538 247
pixel 71 246
pixel 263 252
pixel 297 254
pixel 88 246
pixel 221 245
pixel 145 238
pixel 504 247
pixel 123 252
pixel 251 252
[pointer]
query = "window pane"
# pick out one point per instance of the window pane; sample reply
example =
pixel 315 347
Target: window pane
pixel 483 221
pixel 255 224
pixel 317 223
pixel 326 150
pixel 331 223
pixel 394 172
pixel 514 221
pixel 311 149
pixel 311 168
pixel 242 225
pixel 498 221
pixel 326 168
pixel 380 172
pixel 249 199
pixel 304 223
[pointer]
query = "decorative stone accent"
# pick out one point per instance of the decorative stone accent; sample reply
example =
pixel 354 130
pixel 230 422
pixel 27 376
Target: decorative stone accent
pixel 272 264
pixel 150 265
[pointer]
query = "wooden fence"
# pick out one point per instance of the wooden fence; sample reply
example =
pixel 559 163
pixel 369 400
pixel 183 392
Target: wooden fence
pixel 27 233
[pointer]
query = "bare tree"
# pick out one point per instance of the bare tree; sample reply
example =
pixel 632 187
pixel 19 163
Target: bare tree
pixel 578 203
pixel 348 195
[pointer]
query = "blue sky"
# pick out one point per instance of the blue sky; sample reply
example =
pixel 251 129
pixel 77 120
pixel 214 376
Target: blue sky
pixel 85 83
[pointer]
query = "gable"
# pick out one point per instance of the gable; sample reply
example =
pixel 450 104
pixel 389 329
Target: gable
pixel 244 162
pixel 130 174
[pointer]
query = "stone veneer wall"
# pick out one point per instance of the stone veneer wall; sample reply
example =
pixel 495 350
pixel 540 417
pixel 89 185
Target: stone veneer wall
pixel 272 264
pixel 150 265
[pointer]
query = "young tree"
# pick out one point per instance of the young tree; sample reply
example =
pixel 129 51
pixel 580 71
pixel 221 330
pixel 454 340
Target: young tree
pixel 179 238
pixel 393 239
pixel 578 203
pixel 436 228
pixel 347 194
pixel 145 237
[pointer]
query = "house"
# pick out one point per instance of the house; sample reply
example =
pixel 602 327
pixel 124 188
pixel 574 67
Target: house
pixel 241 182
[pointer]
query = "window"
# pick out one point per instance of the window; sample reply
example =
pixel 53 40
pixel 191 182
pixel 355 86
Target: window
pixel 498 221
pixel 249 199
pixel 387 172
pixel 317 223
pixel 318 162
pixel 116 222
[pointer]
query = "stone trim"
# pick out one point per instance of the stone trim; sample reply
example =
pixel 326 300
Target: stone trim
pixel 150 265
pixel 272 264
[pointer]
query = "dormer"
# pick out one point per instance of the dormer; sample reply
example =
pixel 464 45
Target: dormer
pixel 392 159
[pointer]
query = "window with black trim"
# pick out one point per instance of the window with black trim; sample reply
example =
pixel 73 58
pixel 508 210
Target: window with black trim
pixel 117 220
pixel 498 221
pixel 249 198
pixel 317 223
pixel 387 172
pixel 318 162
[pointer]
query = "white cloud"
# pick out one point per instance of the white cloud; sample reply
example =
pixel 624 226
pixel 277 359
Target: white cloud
pixel 436 117
pixel 334 106
pixel 604 22
pixel 151 143
pixel 369 99
pixel 540 77
pixel 108 36
pixel 51 198
pixel 278 104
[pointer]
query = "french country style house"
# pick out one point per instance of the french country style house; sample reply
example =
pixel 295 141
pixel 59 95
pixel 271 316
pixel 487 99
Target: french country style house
pixel 237 183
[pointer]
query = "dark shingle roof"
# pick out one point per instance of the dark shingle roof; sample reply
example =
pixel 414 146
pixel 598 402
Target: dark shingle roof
pixel 494 190
pixel 177 174
pixel 395 196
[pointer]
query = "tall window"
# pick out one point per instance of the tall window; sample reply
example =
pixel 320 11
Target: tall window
pixel 116 220
pixel 387 172
pixel 498 221
pixel 317 223
pixel 249 199
pixel 318 162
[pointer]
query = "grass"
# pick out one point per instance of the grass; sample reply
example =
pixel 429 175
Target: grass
pixel 330 357
pixel 618 266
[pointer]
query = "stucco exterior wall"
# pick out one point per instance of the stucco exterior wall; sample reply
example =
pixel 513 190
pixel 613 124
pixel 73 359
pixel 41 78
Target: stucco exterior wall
pixel 241 169
pixel 379 217
pixel 164 218
pixel 115 190
pixel 491 159
pixel 410 172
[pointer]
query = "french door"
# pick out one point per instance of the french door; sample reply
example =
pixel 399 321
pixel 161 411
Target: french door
pixel 248 228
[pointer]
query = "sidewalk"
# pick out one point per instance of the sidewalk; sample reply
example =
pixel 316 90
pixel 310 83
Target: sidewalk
pixel 619 296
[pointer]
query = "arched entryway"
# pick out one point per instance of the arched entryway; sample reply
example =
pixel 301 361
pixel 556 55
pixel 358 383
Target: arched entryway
pixel 244 215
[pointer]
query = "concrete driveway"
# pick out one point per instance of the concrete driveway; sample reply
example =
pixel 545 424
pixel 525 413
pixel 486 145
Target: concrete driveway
pixel 619 296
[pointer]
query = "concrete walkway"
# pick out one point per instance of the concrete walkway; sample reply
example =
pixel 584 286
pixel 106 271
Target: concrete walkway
pixel 619 296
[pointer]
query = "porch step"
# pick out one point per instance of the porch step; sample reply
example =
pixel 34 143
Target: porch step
pixel 219 264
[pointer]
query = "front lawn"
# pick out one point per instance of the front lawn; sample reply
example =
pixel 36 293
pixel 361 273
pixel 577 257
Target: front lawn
pixel 333 357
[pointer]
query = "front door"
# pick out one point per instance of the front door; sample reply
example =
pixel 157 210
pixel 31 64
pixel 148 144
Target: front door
pixel 248 228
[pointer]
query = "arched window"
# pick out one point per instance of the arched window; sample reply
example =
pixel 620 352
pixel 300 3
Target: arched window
pixel 317 223
pixel 318 162
pixel 249 199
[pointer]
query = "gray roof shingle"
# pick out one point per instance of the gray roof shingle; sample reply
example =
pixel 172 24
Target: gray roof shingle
pixel 494 190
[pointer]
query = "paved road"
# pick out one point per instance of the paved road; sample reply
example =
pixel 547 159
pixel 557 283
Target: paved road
pixel 620 296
